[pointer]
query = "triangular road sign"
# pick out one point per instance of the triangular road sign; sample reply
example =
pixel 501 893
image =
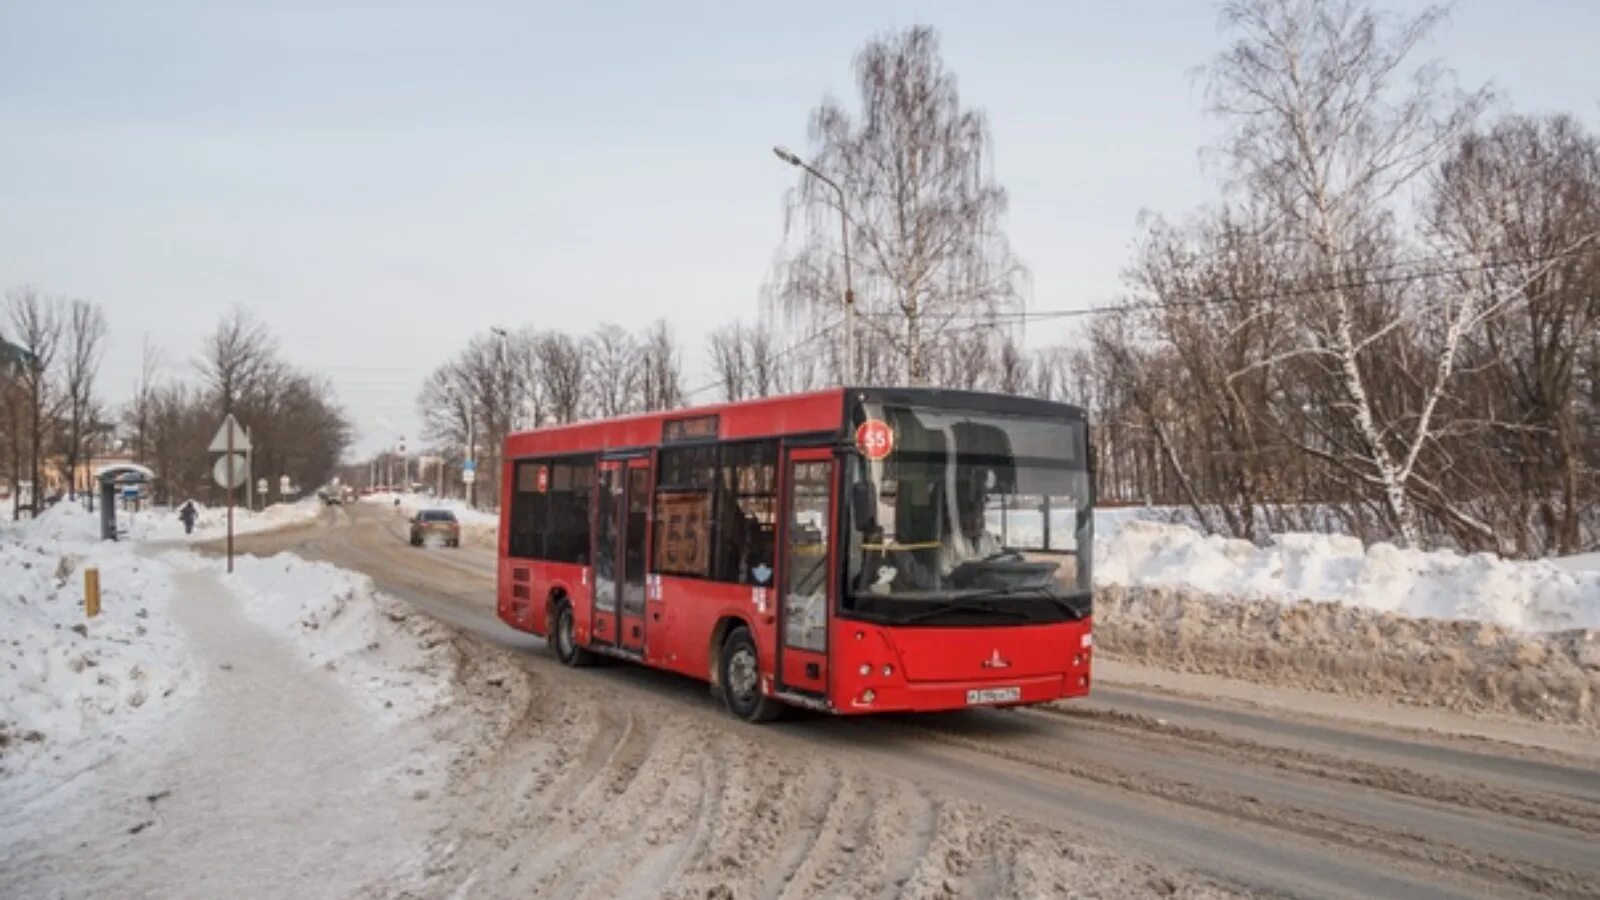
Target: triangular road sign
pixel 241 440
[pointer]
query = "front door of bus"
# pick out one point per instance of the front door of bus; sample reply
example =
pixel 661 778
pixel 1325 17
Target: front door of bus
pixel 806 585
pixel 622 500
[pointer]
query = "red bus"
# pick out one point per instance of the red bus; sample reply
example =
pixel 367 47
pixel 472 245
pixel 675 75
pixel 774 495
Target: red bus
pixel 850 550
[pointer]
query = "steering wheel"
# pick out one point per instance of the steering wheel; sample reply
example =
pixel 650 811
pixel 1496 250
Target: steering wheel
pixel 1003 554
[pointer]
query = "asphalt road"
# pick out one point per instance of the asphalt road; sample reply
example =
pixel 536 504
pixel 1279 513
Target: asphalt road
pixel 1285 801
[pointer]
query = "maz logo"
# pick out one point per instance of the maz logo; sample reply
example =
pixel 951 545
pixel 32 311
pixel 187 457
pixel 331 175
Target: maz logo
pixel 996 661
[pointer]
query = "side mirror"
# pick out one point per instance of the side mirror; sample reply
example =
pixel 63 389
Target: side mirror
pixel 864 505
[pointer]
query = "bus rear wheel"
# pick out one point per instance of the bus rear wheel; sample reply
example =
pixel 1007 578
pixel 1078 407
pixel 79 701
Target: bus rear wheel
pixel 565 642
pixel 739 674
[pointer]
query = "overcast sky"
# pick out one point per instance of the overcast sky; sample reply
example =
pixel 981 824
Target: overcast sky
pixel 381 182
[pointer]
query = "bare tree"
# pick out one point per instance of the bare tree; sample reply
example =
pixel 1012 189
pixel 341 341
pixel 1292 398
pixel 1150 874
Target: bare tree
pixel 728 350
pixel 85 335
pixel 37 327
pixel 1323 125
pixel 613 370
pixel 1524 193
pixel 660 369
pixel 137 414
pixel 923 210
pixel 563 374
pixel 236 357
pixel 530 398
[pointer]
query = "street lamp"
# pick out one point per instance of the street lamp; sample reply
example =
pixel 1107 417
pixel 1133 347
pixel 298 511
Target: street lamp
pixel 789 157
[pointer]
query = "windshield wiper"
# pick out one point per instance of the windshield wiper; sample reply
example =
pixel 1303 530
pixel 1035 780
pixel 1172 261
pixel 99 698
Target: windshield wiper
pixel 963 605
pixel 1064 603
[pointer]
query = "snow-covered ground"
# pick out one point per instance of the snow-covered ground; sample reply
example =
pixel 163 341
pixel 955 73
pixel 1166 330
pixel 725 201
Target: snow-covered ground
pixel 287 704
pixel 1532 595
pixel 66 681
pixel 334 616
pixel 72 688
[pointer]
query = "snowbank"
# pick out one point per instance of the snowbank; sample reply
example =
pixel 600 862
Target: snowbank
pixel 392 656
pixel 1525 595
pixel 68 682
pixel 1343 648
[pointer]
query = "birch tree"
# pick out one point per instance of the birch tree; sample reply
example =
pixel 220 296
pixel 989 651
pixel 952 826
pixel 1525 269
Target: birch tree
pixel 1329 121
pixel 923 209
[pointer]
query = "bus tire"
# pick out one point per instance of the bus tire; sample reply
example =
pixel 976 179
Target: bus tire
pixel 739 675
pixel 564 640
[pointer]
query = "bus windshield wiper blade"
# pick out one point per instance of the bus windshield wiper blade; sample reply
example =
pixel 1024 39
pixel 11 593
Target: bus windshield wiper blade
pixel 962 605
pixel 1065 603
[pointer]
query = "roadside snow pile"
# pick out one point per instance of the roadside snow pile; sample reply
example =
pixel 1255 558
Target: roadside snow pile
pixel 163 524
pixel 1527 595
pixel 397 660
pixel 1342 648
pixel 66 680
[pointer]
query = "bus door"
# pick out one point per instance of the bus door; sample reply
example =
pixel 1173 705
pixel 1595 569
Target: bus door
pixel 608 500
pixel 622 501
pixel 806 583
pixel 633 527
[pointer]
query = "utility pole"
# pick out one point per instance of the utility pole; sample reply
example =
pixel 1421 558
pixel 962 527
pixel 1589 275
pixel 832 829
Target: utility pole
pixel 844 234
pixel 472 454
pixel 249 471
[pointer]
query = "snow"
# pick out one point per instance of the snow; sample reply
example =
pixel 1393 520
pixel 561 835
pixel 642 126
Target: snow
pixel 73 689
pixel 334 616
pixel 1526 595
pixel 66 681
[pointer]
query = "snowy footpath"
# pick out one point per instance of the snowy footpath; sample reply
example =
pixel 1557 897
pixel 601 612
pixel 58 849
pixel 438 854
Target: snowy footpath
pixel 190 740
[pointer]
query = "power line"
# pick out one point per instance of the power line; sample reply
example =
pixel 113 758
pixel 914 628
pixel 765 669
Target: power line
pixel 778 357
pixel 1196 300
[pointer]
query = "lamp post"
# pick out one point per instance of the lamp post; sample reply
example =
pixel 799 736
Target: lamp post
pixel 844 231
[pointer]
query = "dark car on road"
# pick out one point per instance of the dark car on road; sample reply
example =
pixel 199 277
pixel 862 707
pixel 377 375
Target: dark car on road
pixel 435 523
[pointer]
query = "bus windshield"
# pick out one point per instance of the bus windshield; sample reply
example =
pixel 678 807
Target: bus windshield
pixel 968 518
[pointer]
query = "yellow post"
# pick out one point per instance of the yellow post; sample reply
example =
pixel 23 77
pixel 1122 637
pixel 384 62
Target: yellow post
pixel 91 592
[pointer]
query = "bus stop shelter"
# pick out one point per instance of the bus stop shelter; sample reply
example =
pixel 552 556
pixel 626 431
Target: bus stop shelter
pixel 112 479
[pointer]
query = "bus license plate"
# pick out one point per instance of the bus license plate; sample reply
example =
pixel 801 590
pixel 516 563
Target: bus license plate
pixel 994 695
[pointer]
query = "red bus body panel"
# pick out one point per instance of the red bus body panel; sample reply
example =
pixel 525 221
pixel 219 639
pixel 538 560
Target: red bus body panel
pixel 910 668
pixel 928 668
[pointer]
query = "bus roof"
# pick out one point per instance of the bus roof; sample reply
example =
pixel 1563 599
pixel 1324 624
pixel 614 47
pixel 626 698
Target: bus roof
pixel 812 412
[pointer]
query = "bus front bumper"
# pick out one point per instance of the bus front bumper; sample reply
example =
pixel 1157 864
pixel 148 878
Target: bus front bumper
pixel 934 696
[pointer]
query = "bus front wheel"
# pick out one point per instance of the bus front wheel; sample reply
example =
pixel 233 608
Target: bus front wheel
pixel 740 677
